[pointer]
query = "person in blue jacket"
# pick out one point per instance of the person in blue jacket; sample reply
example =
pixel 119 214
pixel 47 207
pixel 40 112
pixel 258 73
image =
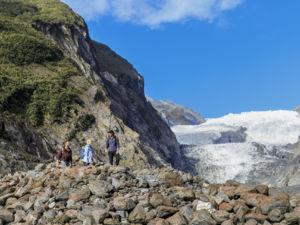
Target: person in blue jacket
pixel 88 153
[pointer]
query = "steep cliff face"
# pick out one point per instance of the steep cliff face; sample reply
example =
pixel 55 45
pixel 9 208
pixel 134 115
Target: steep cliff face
pixel 58 84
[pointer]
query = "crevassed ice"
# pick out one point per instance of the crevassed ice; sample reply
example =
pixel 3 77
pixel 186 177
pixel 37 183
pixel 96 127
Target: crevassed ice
pixel 222 162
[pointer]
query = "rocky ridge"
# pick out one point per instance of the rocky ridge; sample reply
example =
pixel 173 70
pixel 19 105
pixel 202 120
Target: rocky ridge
pixel 174 114
pixel 103 194
pixel 297 109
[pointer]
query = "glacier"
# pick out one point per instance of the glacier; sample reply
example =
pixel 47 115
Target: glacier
pixel 249 147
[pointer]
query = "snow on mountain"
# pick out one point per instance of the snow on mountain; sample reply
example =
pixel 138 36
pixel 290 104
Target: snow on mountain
pixel 249 147
pixel 267 127
pixel 174 114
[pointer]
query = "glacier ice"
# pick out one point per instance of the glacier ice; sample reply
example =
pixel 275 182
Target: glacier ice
pixel 267 133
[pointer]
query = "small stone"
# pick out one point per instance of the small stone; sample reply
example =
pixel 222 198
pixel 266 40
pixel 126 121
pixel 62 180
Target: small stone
pixel 254 199
pixel 88 221
pixel 10 201
pixel 170 178
pixel 203 217
pixel 82 194
pixel 177 219
pixel 251 222
pixel 187 212
pixel 150 215
pixel 220 216
pixel 20 216
pixel 123 204
pixel 62 196
pixel 100 188
pixel 6 216
pixel 117 184
pixel 295 200
pixel 99 215
pixel 51 205
pixel 262 189
pixel 138 215
pixel 267 223
pixel 275 192
pixel 111 221
pixel 241 213
pixel 228 222
pixel 185 194
pixel 158 199
pixel 226 206
pixel 158 221
pixel 165 211
pixel 71 213
pixel 244 188
pixel 275 215
pixel 99 203
pixel 292 218
pixel 256 216
pixel 204 205
pixel 70 203
pixel 273 202
pixel 43 199
pixel 40 167
pixel 28 206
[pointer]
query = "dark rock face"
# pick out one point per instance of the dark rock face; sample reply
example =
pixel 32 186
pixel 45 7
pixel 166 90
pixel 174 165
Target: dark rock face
pixel 174 114
pixel 110 96
pixel 238 136
pixel 297 109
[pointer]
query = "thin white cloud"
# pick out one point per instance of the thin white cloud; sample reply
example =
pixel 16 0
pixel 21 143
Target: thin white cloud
pixel 152 13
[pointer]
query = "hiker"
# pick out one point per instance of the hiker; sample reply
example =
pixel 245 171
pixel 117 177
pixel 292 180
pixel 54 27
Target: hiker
pixel 64 157
pixel 88 153
pixel 112 147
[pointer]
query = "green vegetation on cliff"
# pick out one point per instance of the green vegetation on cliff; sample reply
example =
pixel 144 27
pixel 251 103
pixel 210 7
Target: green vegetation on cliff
pixel 34 72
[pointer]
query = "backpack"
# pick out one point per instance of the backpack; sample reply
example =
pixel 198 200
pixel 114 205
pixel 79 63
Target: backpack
pixel 116 139
pixel 82 154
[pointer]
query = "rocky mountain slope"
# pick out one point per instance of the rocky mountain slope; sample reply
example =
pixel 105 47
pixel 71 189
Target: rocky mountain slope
pixel 174 114
pixel 297 109
pixel 58 84
pixel 108 195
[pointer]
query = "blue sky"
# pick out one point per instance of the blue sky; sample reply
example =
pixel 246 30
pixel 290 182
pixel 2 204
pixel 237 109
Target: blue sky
pixel 214 56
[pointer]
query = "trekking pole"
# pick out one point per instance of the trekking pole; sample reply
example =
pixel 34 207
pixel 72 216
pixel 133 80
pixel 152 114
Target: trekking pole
pixel 110 120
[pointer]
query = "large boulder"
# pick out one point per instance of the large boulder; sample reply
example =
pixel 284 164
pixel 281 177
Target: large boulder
pixel 6 216
pixel 138 215
pixel 170 178
pixel 158 199
pixel 177 219
pixel 203 217
pixel 123 204
pixel 100 188
pixel 183 193
pixel 82 194
pixel 165 211
pixel 274 202
pixel 220 216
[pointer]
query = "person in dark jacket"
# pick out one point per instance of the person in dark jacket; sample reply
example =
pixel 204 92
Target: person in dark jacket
pixel 64 157
pixel 112 147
